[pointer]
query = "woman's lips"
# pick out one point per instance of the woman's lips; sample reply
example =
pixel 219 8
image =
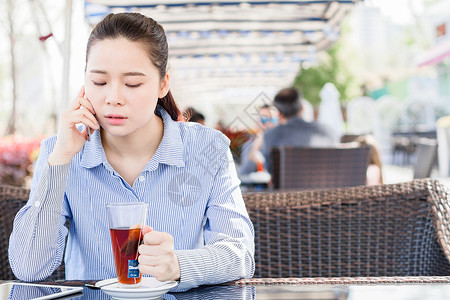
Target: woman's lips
pixel 114 119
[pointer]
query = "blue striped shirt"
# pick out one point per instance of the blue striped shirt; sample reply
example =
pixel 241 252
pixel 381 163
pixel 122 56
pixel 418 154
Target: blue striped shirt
pixel 192 190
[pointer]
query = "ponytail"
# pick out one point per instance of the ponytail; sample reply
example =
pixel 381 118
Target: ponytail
pixel 168 103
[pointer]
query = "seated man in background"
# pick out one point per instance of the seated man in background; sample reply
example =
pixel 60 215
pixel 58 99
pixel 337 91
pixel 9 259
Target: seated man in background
pixel 293 130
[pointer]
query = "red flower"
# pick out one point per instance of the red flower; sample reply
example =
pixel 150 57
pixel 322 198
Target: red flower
pixel 15 159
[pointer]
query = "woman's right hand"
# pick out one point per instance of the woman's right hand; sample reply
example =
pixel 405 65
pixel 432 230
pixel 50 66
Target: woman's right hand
pixel 70 140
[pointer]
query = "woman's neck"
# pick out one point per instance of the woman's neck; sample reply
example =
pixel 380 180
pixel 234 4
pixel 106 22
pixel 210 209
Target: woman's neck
pixel 141 143
pixel 130 154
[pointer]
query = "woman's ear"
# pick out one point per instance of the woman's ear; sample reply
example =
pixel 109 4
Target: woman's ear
pixel 164 87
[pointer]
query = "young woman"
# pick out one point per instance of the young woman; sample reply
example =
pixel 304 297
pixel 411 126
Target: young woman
pixel 200 231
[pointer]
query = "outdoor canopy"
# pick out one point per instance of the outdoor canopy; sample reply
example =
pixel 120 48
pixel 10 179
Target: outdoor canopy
pixel 237 47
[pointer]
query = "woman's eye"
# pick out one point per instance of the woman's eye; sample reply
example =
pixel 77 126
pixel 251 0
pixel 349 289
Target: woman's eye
pixel 134 85
pixel 98 83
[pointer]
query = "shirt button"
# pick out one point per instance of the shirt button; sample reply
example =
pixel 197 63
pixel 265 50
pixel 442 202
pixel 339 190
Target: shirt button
pixel 141 178
pixel 37 203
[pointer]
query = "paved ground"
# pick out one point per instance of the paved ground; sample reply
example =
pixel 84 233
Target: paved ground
pixel 397 174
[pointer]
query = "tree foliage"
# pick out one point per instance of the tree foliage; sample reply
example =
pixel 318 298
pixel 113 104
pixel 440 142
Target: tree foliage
pixel 339 65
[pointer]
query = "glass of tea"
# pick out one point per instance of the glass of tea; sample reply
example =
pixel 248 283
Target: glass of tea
pixel 126 221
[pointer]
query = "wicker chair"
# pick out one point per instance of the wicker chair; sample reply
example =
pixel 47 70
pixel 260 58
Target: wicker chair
pixel 426 157
pixel 11 200
pixel 313 168
pixel 368 231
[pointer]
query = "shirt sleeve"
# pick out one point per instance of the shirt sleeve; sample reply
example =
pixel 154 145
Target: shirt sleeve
pixel 36 244
pixel 228 253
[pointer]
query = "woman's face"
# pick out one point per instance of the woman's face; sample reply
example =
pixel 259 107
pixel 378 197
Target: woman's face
pixel 123 86
pixel 268 117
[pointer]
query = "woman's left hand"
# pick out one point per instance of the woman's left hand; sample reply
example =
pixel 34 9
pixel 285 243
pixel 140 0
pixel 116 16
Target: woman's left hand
pixel 157 256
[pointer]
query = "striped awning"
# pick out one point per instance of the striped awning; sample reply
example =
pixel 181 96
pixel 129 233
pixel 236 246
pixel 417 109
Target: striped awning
pixel 218 48
pixel 435 54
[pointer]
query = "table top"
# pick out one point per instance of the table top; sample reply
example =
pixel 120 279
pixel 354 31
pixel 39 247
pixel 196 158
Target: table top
pixel 303 288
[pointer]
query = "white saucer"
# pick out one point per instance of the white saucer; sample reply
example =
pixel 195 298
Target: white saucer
pixel 150 288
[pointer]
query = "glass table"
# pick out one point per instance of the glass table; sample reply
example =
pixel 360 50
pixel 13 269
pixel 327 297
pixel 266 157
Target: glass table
pixel 324 289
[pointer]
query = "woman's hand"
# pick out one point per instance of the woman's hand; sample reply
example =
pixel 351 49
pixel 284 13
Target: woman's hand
pixel 157 256
pixel 70 140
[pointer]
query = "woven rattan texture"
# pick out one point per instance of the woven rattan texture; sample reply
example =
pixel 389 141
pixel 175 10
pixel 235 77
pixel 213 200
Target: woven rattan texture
pixel 345 280
pixel 11 200
pixel 313 168
pixel 386 230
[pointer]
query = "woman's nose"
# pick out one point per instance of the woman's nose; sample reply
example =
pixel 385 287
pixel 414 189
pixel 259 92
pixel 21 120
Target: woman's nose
pixel 115 96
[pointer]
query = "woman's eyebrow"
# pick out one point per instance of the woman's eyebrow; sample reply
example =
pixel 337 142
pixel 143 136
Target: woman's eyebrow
pixel 124 74
pixel 97 71
pixel 133 74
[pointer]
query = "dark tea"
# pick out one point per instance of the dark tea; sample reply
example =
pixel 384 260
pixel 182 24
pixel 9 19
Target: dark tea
pixel 125 243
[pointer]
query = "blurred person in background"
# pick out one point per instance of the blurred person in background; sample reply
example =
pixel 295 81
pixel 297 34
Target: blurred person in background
pixel 293 130
pixel 193 115
pixel 252 159
pixel 374 170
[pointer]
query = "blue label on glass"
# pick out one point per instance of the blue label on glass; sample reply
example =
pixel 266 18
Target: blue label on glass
pixel 133 269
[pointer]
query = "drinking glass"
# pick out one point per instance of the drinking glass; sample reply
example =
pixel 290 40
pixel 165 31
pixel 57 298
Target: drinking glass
pixel 126 221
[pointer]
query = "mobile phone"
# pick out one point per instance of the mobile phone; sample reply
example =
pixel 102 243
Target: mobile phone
pixel 88 129
pixel 23 290
pixel 88 133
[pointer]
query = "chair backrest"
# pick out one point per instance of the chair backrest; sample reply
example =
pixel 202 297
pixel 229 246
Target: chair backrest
pixel 387 230
pixel 12 199
pixel 426 157
pixel 312 168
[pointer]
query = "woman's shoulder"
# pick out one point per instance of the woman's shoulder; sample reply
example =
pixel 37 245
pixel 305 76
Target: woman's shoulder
pixel 49 142
pixel 373 175
pixel 195 132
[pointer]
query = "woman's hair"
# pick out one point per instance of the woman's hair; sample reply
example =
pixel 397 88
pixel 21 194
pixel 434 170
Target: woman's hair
pixel 136 27
pixel 374 153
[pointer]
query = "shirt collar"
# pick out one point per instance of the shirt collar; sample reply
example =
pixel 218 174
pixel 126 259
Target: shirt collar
pixel 169 152
pixel 93 153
